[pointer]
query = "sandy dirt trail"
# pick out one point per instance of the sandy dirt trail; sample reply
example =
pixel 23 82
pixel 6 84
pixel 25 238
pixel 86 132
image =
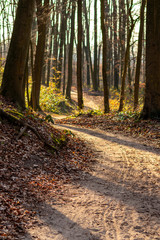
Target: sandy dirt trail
pixel 89 101
pixel 119 199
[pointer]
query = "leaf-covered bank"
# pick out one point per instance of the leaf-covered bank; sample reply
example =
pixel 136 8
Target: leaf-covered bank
pixel 128 124
pixel 30 171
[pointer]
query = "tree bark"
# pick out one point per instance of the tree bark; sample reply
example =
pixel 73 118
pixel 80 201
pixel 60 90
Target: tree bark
pixel 50 48
pixel 55 44
pixel 151 107
pixel 79 57
pixel 104 39
pixel 116 63
pixel 139 56
pixel 126 60
pixel 62 36
pixel 13 77
pixel 70 54
pixel 95 85
pixel 42 15
pixel 88 40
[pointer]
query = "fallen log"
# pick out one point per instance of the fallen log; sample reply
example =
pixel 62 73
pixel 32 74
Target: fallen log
pixel 17 121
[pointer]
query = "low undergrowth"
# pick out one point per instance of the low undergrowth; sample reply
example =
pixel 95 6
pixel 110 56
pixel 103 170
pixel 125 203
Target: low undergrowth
pixel 129 100
pixel 52 100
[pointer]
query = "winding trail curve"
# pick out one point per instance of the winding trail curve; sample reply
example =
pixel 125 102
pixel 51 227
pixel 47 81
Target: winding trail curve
pixel 119 199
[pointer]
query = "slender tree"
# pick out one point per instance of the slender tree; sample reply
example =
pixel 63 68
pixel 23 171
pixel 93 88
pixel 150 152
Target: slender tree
pixel 122 32
pixel 61 45
pixel 88 40
pixel 50 45
pixel 70 53
pixel 105 83
pixel 55 44
pixel 116 63
pixel 79 57
pixel 132 24
pixel 95 85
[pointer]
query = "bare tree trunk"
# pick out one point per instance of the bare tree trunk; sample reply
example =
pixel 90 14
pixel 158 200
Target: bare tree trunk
pixel 70 54
pixel 55 44
pixel 116 64
pixel 129 55
pixel 105 83
pixel 88 69
pixel 42 15
pixel 62 36
pixel 107 40
pixel 50 49
pixel 99 60
pixel 122 31
pixel 13 77
pixel 95 87
pixel 79 57
pixel 151 107
pixel 88 40
pixel 139 55
pixel 126 59
pixel 64 67
pixel 129 75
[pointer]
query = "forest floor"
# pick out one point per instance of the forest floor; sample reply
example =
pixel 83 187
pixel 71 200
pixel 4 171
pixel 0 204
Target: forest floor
pixel 106 186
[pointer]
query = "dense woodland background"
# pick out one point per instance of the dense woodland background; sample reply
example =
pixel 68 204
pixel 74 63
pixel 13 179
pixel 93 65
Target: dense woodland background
pixel 93 45
pixel 55 56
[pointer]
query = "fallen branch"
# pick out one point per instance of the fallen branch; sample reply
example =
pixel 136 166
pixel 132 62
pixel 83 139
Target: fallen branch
pixel 14 120
pixel 22 131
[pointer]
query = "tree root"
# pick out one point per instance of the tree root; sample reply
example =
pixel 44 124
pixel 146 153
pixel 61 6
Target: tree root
pixel 16 121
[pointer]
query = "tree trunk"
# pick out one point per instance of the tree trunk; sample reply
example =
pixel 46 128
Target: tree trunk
pixel 129 75
pixel 116 64
pixel 50 44
pixel 151 107
pixel 95 86
pixel 50 54
pixel 55 44
pixel 62 36
pixel 126 60
pixel 42 15
pixel 129 55
pixel 122 31
pixel 88 40
pixel 104 39
pixel 79 57
pixel 99 61
pixel 88 69
pixel 139 55
pixel 13 77
pixel 64 67
pixel 70 54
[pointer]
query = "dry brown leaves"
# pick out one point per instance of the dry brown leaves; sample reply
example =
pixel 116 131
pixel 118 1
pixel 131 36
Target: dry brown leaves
pixel 147 131
pixel 31 173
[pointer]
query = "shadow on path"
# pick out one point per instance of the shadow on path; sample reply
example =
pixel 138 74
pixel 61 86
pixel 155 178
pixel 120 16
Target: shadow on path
pixel 58 225
pixel 114 139
pixel 139 195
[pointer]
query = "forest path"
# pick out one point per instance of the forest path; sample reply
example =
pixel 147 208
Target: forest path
pixel 91 100
pixel 118 199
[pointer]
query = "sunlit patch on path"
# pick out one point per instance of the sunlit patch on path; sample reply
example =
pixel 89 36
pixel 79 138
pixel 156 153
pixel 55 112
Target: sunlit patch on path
pixel 118 199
